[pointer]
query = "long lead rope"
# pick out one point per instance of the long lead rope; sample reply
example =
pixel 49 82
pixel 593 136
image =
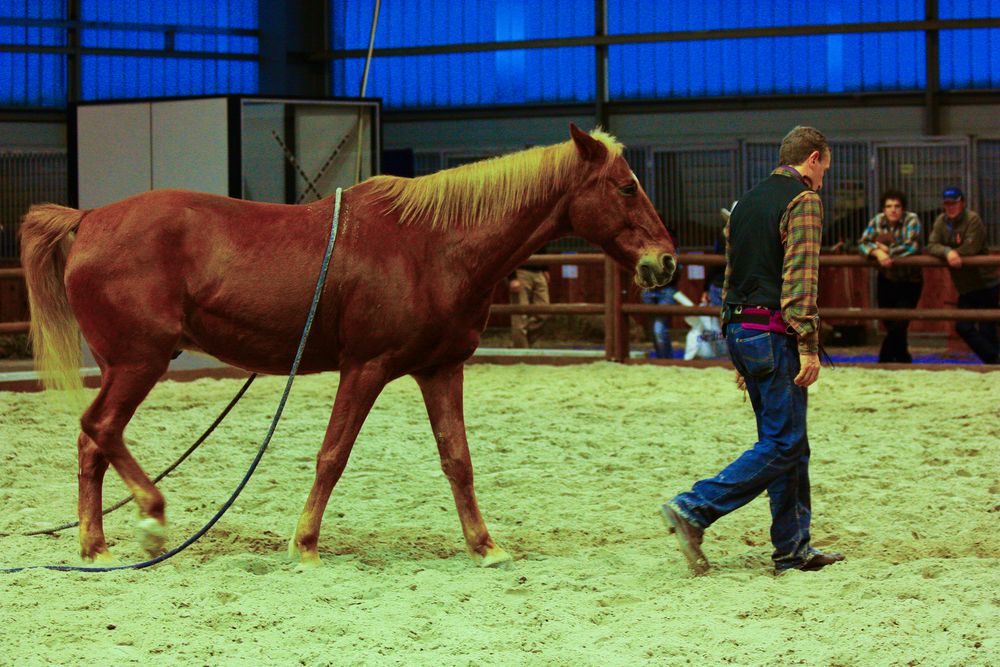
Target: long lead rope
pixel 169 469
pixel 260 452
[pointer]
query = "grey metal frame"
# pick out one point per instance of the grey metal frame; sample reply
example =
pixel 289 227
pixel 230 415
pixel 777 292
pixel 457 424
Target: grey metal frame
pixel 850 195
pixel 27 177
pixel 986 184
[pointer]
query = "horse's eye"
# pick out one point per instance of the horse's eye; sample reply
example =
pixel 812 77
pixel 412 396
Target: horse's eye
pixel 628 190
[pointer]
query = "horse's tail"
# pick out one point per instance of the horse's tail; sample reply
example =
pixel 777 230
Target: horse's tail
pixel 46 235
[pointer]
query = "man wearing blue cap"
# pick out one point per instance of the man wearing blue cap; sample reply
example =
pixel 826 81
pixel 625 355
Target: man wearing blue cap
pixel 957 233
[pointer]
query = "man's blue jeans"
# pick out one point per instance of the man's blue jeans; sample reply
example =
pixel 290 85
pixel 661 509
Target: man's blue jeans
pixel 778 462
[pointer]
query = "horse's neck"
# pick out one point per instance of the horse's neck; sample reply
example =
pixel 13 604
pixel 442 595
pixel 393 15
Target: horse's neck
pixel 498 247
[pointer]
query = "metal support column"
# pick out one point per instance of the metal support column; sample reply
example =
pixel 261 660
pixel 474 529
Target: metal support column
pixel 601 65
pixel 932 104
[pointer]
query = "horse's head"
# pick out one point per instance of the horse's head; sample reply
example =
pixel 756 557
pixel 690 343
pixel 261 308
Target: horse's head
pixel 610 209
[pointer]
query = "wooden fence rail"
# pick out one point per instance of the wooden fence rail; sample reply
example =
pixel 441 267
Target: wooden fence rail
pixel 616 312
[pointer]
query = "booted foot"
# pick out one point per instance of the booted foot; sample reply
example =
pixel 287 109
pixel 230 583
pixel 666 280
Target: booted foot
pixel 689 538
pixel 816 561
pixel 820 560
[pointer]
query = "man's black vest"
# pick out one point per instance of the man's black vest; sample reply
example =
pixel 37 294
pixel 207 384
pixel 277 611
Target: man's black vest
pixel 756 252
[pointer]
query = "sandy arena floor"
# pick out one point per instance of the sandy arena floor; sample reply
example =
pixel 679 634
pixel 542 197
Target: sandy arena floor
pixel 572 464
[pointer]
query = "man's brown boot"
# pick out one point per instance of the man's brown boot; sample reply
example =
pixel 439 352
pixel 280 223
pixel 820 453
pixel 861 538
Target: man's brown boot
pixel 689 537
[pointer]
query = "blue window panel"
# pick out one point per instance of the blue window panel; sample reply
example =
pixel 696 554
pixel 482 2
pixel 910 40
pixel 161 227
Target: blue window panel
pixel 436 22
pixel 202 13
pixel 970 58
pixel 115 77
pixel 32 9
pixel 122 39
pixel 32 79
pixel 523 76
pixel 641 16
pixel 107 77
pixel 215 43
pixel 968 9
pixel 768 66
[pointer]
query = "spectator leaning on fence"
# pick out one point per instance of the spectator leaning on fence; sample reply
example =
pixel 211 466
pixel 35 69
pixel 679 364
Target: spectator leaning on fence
pixel 957 233
pixel 894 233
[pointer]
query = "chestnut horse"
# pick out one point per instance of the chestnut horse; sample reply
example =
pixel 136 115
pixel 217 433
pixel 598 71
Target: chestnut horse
pixel 408 292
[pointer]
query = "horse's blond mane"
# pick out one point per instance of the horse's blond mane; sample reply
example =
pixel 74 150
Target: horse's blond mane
pixel 490 190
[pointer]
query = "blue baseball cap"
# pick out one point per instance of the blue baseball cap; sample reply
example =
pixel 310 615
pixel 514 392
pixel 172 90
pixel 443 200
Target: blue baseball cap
pixel 952 193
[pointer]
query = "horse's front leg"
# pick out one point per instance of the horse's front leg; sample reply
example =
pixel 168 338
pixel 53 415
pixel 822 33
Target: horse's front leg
pixel 442 390
pixel 358 389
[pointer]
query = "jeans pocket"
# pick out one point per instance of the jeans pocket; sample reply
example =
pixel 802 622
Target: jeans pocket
pixel 757 353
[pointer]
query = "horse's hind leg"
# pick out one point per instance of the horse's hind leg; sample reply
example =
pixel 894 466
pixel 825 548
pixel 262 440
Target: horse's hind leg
pixel 358 389
pixel 442 390
pixel 123 388
pixel 93 465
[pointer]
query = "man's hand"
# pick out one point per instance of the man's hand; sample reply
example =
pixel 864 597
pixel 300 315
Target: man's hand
pixel 954 259
pixel 883 257
pixel 808 368
pixel 515 286
pixel 741 384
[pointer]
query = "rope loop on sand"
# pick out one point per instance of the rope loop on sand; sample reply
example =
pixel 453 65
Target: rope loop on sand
pixel 169 469
pixel 260 452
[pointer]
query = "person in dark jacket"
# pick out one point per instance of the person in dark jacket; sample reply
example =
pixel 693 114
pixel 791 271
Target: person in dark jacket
pixel 958 233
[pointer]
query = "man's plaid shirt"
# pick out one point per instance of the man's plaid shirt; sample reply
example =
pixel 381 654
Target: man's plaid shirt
pixel 801 231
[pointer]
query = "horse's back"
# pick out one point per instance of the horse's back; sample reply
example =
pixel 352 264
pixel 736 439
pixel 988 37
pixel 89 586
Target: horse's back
pixel 209 272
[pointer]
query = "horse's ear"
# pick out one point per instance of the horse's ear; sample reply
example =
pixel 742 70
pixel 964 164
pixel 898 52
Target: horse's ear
pixel 590 148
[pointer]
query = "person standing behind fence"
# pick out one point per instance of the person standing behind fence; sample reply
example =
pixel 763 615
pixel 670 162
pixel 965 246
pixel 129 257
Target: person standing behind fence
pixel 529 284
pixel 894 233
pixel 957 233
pixel 715 276
pixel 772 330
pixel 664 296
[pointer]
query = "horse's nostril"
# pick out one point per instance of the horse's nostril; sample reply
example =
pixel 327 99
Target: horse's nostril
pixel 668 264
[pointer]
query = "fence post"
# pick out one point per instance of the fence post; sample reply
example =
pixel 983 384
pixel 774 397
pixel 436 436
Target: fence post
pixel 609 308
pixel 616 344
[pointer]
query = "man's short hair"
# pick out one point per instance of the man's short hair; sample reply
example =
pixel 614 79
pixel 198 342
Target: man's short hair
pixel 898 195
pixel 800 143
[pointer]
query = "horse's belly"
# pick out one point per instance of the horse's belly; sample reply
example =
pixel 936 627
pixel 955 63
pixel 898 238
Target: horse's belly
pixel 265 346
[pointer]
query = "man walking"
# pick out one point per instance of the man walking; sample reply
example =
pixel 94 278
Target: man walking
pixel 771 323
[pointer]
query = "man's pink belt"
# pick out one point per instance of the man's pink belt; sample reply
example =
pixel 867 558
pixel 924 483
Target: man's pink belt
pixel 758 318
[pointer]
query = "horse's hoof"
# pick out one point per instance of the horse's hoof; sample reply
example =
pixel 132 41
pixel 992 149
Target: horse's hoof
pixel 304 559
pixel 152 535
pixel 100 559
pixel 494 557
